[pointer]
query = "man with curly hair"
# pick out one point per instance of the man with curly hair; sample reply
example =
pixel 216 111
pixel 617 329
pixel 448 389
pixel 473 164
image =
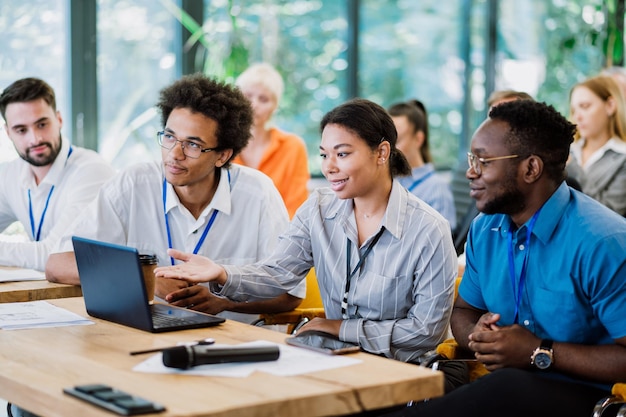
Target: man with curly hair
pixel 543 297
pixel 193 200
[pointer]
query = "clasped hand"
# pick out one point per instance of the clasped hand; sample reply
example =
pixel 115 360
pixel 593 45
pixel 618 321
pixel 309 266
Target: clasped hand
pixel 501 346
pixel 193 297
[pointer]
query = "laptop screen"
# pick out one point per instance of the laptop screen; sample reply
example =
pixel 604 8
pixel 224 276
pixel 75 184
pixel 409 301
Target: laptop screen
pixel 114 290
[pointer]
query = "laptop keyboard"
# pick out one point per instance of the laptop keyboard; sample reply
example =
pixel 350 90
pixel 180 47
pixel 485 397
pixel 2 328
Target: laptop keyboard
pixel 166 320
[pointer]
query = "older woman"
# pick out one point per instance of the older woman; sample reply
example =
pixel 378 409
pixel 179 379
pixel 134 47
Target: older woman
pixel 280 155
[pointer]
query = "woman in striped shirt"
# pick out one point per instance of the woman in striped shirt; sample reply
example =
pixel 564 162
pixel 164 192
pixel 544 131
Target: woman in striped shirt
pixel 384 259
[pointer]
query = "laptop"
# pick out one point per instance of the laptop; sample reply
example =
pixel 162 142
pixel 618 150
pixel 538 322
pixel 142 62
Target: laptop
pixel 114 290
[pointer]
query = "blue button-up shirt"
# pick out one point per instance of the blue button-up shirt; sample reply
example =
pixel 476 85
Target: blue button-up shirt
pixel 575 286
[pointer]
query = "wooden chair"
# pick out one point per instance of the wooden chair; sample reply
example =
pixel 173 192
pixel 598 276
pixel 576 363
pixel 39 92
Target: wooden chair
pixel 310 307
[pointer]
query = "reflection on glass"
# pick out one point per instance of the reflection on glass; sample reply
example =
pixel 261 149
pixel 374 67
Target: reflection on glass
pixel 136 44
pixel 34 39
pixel 410 50
pixel 305 40
pixel 407 49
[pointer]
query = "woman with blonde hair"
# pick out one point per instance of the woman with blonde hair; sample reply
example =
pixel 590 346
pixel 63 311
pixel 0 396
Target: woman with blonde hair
pixel 598 154
pixel 280 155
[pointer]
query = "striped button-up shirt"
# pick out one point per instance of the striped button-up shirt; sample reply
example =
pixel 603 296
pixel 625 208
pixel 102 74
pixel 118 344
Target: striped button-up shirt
pixel 400 301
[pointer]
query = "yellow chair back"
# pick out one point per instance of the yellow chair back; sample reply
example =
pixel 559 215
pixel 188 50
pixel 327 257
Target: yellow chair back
pixel 313 298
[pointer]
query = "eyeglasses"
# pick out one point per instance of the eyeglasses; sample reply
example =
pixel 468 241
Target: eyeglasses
pixel 190 149
pixel 477 163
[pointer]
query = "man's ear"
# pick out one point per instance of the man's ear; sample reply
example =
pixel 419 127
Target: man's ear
pixel 224 156
pixel 533 168
pixel 60 119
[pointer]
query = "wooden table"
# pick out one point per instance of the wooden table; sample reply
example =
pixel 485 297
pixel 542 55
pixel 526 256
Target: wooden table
pixel 12 292
pixel 36 365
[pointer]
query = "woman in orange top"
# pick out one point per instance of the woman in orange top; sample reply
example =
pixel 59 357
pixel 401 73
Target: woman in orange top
pixel 280 155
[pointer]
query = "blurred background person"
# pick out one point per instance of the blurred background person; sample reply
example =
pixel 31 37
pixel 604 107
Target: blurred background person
pixel 502 96
pixel 598 154
pixel 280 155
pixel 411 121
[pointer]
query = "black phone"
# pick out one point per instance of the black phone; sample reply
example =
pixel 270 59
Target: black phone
pixel 322 342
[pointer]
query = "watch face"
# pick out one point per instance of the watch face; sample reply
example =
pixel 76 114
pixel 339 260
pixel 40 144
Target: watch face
pixel 542 360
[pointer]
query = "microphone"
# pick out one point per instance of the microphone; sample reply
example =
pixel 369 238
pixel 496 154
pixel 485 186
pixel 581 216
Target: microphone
pixel 185 357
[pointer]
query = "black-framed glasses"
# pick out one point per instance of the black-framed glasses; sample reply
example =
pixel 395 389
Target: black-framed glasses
pixel 477 163
pixel 190 149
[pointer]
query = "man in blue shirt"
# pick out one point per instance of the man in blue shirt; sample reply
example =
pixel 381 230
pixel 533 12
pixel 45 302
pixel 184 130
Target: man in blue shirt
pixel 543 297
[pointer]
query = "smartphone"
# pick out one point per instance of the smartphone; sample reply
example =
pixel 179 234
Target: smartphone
pixel 322 342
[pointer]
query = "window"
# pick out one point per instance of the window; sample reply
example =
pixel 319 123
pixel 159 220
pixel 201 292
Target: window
pixel 136 58
pixel 411 50
pixel 34 39
pixel 441 52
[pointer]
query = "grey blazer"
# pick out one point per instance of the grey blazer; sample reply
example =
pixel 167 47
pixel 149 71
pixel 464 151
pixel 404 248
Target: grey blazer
pixel 604 180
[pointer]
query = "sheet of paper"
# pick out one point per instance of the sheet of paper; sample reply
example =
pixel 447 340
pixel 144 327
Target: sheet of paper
pixel 20 274
pixel 292 361
pixel 36 314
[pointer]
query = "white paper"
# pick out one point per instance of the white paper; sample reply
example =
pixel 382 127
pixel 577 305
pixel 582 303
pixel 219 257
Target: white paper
pixel 36 314
pixel 292 361
pixel 20 274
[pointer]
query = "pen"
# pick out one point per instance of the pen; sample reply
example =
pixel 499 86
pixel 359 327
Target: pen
pixel 207 341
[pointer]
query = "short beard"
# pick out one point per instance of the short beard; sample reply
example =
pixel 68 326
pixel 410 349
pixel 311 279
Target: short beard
pixel 510 202
pixel 42 162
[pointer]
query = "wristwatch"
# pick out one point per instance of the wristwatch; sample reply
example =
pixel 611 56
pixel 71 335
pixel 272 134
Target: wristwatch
pixel 543 357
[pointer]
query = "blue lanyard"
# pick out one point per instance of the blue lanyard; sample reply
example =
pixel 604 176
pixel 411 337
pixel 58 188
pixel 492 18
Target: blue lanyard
pixel 167 223
pixel 420 180
pixel 349 275
pixel 37 235
pixel 522 277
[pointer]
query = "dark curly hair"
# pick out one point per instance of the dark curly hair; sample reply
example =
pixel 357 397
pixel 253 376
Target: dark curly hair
pixel 373 124
pixel 537 129
pixel 219 101
pixel 27 89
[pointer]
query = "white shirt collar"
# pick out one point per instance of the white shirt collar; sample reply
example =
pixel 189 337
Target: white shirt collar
pixel 613 144
pixel 221 200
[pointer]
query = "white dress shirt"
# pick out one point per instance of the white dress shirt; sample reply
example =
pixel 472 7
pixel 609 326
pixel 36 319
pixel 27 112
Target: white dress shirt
pixel 76 181
pixel 399 303
pixel 129 211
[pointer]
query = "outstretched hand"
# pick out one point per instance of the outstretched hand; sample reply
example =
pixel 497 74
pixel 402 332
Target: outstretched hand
pixel 195 269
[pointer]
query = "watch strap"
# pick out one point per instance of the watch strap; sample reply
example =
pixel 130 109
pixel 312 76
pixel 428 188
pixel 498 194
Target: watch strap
pixel 546 344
